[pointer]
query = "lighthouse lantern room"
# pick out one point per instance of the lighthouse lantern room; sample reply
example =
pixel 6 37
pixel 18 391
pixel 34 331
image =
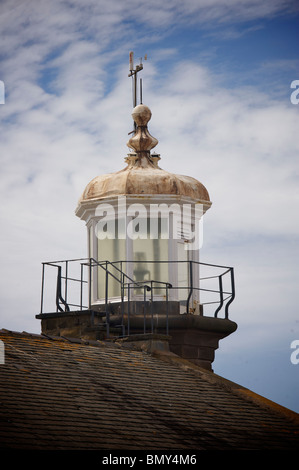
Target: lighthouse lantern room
pixel 144 227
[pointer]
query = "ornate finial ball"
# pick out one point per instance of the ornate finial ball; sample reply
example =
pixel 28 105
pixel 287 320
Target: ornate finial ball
pixel 141 115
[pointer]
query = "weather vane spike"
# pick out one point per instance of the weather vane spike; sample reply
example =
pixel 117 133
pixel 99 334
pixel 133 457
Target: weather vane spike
pixel 133 73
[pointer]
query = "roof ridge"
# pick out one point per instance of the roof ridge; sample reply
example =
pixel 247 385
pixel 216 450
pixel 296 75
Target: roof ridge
pixel 227 384
pixel 73 340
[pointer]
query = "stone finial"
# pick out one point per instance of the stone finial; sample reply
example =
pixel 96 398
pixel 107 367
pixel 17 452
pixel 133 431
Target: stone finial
pixel 142 141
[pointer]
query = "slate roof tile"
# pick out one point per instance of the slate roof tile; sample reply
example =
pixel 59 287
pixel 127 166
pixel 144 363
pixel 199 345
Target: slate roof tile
pixel 61 394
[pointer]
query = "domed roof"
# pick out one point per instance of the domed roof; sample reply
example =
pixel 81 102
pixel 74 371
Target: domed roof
pixel 142 175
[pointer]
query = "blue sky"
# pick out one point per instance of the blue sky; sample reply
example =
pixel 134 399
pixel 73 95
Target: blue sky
pixel 217 80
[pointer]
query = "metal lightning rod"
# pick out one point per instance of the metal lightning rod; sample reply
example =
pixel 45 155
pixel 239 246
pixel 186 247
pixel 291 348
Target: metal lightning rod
pixel 133 73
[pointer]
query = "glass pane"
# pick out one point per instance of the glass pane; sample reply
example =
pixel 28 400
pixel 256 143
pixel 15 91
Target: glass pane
pixel 150 257
pixel 113 250
pixel 183 271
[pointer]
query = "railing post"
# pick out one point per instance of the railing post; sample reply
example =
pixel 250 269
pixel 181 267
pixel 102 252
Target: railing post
pixel 58 293
pixel 122 287
pixel 152 308
pixel 191 286
pixel 66 280
pixel 58 287
pixel 144 308
pixel 89 282
pixel 42 290
pixel 128 327
pixel 221 296
pixel 81 286
pixel 167 309
pixel 106 302
pixel 233 291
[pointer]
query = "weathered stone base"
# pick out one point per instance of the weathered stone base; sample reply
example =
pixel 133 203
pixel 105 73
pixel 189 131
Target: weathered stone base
pixel 192 337
pixel 197 346
pixel 85 324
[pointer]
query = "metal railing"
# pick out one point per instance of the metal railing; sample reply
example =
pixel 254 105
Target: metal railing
pixel 64 280
pixel 74 285
pixel 127 284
